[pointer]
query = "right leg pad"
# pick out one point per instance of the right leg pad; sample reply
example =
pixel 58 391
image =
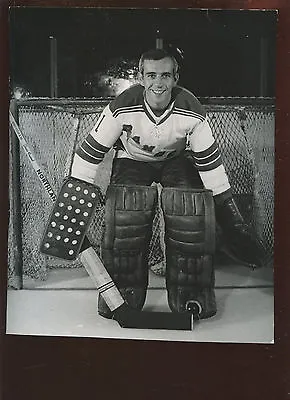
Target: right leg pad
pixel 129 213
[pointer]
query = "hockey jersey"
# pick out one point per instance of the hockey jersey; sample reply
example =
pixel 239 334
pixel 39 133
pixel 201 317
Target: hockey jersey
pixel 129 124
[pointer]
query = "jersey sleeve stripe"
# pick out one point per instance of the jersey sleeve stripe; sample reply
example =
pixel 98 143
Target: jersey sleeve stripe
pixel 87 157
pixel 92 152
pixel 205 159
pixel 209 166
pixel 96 145
pixel 208 159
pixel 207 152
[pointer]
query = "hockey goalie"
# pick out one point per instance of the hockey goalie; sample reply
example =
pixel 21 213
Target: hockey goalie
pixel 151 125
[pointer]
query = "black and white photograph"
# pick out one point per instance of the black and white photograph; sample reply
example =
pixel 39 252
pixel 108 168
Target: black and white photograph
pixel 141 173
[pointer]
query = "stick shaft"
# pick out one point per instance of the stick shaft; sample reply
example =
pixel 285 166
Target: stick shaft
pixel 88 257
pixel 101 278
pixel 40 173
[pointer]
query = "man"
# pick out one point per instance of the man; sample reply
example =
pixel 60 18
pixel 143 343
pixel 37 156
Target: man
pixel 150 125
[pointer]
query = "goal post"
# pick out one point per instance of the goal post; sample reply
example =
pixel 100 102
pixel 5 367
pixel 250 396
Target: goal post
pixel 244 129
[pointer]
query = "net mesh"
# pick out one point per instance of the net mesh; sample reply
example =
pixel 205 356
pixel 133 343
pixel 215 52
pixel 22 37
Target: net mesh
pixel 53 129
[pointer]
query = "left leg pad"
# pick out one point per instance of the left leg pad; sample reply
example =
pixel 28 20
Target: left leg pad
pixel 190 245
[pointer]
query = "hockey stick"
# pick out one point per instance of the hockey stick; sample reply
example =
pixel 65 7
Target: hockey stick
pixel 122 313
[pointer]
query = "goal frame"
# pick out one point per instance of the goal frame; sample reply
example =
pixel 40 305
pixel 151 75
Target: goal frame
pixel 241 105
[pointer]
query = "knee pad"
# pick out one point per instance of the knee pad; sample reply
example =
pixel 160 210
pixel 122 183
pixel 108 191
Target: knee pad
pixel 190 245
pixel 129 213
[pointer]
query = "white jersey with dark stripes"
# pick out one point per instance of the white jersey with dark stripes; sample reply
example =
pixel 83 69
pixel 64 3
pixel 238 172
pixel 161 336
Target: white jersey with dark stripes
pixel 130 126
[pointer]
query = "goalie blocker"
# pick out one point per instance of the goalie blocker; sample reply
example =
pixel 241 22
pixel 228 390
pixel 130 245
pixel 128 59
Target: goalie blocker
pixel 70 218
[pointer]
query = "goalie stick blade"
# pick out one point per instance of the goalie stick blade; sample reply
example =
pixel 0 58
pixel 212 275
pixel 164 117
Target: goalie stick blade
pixel 130 318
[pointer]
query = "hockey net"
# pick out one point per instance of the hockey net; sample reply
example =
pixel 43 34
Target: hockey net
pixel 244 129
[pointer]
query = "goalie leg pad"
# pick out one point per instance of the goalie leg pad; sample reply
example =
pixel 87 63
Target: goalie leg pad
pixel 190 245
pixel 129 213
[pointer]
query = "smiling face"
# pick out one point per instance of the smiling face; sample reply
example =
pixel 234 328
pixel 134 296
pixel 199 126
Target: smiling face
pixel 158 79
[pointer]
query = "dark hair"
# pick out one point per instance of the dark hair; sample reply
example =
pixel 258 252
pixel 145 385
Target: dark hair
pixel 157 54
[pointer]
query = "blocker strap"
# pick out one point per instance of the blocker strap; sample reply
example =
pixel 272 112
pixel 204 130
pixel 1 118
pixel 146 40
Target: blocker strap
pixel 70 218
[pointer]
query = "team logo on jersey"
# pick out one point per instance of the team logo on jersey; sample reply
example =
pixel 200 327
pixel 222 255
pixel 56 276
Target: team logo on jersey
pixel 127 129
pixel 160 154
pixel 146 147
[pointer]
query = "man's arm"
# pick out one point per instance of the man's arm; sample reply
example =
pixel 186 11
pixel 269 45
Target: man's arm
pixel 241 240
pixel 93 149
pixel 208 159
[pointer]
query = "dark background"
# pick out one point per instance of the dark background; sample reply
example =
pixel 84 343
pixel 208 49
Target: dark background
pixel 78 368
pixel 225 52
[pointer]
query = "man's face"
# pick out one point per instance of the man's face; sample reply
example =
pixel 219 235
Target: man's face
pixel 158 80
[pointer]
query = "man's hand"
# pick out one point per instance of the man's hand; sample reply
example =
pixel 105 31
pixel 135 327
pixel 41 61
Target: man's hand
pixel 241 241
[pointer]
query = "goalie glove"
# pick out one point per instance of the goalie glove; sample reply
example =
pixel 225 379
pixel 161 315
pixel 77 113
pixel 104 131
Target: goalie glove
pixel 242 242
